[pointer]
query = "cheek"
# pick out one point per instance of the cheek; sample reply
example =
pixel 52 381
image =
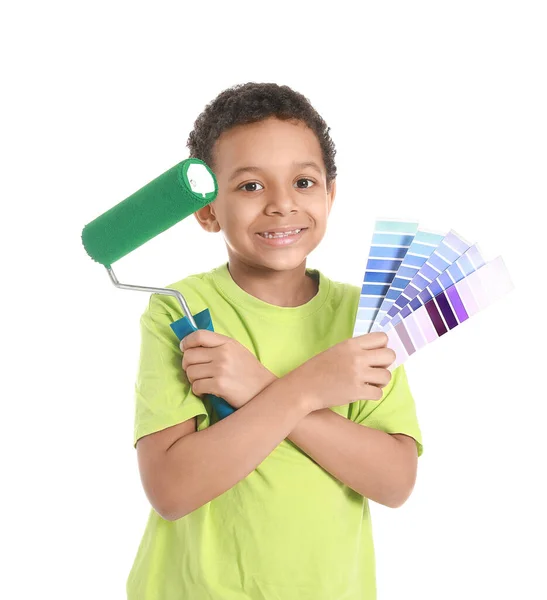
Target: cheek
pixel 320 209
pixel 240 217
pixel 225 214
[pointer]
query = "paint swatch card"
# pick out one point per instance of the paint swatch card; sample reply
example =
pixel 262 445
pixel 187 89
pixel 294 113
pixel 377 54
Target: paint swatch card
pixel 390 242
pixel 466 264
pixel 450 249
pixel 449 309
pixel 422 247
pixel 418 285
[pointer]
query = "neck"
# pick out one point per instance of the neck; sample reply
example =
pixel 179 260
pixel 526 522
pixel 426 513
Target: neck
pixel 289 288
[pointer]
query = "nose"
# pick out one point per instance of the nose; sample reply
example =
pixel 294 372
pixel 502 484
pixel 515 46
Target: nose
pixel 281 201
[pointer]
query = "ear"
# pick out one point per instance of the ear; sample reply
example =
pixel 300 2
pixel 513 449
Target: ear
pixel 206 218
pixel 331 194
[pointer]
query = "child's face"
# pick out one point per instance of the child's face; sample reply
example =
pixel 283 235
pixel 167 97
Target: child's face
pixel 276 192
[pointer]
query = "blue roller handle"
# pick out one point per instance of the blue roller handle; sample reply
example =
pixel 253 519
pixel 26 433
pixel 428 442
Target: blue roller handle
pixel 182 328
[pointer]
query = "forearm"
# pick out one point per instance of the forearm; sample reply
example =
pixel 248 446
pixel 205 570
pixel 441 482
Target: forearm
pixel 371 462
pixel 203 465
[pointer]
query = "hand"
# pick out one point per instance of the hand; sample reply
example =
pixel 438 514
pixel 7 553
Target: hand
pixel 352 370
pixel 219 365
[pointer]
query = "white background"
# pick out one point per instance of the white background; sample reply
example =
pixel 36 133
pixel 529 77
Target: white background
pixel 438 113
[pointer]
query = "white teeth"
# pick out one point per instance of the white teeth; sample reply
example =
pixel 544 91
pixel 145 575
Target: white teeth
pixel 267 234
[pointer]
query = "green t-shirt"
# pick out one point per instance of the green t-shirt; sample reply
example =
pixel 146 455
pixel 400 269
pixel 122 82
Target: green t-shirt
pixel 289 530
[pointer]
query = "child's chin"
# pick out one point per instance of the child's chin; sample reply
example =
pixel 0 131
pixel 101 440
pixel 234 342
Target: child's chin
pixel 288 262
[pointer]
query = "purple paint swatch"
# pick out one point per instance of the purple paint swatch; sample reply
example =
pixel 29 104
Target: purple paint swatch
pixel 448 315
pixel 404 337
pixel 457 303
pixel 435 317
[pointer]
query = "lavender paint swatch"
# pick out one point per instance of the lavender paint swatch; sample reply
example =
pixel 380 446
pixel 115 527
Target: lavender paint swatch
pixel 422 247
pixel 448 309
pixel 448 251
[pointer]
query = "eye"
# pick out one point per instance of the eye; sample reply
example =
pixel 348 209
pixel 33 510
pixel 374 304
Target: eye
pixel 250 183
pixel 306 186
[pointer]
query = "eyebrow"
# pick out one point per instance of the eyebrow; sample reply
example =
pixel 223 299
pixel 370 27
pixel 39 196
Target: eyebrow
pixel 253 169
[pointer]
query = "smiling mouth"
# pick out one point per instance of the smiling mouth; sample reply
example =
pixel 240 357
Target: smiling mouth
pixel 282 234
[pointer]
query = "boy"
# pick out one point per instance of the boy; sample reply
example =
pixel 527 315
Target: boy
pixel 271 501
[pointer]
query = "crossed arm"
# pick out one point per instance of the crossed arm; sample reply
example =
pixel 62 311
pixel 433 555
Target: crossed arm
pixel 377 465
pixel 182 468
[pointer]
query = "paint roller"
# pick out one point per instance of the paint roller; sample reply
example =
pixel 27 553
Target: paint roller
pixel 162 203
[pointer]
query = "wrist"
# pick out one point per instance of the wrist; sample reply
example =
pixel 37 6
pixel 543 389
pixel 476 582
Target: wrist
pixel 304 394
pixel 269 378
pixel 266 379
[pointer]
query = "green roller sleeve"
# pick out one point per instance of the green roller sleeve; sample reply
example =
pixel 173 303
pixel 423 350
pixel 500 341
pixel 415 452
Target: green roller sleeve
pixel 162 203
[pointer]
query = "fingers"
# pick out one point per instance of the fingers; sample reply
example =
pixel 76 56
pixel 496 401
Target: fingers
pixel 372 392
pixel 380 357
pixel 377 377
pixel 203 337
pixel 194 356
pixel 369 341
pixel 377 352
pixel 200 387
pixel 199 371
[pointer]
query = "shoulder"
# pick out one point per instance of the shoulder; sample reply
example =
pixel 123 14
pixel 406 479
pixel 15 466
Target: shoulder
pixel 341 305
pixel 341 292
pixel 195 289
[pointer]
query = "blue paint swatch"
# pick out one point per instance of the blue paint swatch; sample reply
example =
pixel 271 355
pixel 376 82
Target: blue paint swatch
pixel 390 243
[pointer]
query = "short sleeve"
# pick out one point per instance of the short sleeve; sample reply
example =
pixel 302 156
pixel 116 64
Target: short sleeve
pixel 163 394
pixel 395 412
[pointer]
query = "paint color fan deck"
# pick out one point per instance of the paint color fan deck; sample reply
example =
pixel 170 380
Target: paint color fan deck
pixel 420 284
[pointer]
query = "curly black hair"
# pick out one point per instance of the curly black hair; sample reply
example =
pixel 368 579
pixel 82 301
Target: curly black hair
pixel 252 102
